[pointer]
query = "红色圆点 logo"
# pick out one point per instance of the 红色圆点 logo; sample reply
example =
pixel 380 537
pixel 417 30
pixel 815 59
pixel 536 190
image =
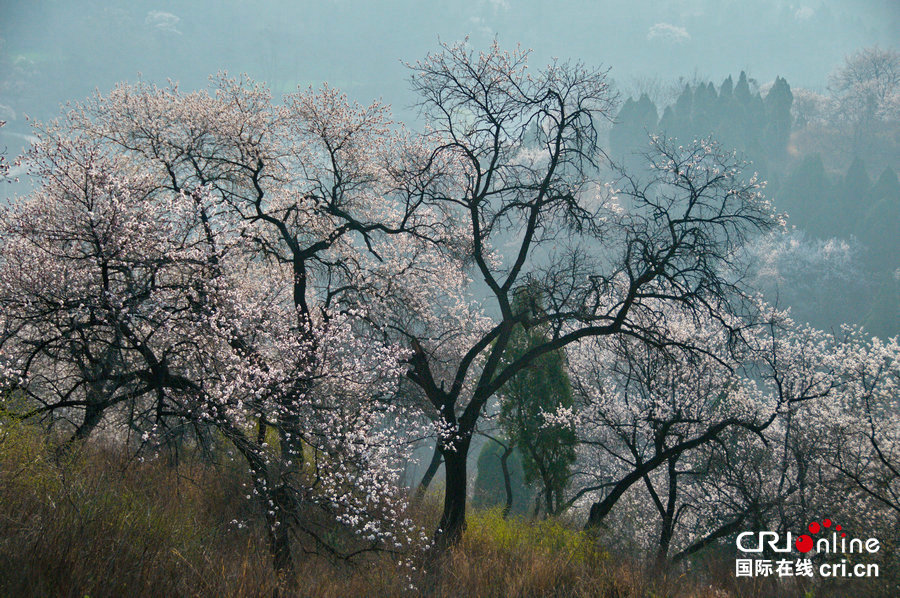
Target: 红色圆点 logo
pixel 769 553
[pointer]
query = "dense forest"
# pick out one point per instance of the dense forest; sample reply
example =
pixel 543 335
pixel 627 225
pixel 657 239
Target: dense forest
pixel 829 162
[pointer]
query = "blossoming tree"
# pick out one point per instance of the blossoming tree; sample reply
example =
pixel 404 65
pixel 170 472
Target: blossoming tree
pixel 605 263
pixel 201 258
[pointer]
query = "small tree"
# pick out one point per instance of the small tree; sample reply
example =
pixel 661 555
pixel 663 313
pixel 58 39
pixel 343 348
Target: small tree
pixel 500 479
pixel 548 450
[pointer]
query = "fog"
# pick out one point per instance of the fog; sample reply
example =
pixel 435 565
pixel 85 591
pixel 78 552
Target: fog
pixel 832 170
pixel 54 51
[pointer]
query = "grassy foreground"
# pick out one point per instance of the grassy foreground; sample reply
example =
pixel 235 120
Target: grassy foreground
pixel 92 522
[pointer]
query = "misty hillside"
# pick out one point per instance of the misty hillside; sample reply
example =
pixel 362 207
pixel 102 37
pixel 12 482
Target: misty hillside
pixel 497 298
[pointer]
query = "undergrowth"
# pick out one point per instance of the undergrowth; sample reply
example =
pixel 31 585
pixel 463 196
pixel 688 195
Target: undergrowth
pixel 93 521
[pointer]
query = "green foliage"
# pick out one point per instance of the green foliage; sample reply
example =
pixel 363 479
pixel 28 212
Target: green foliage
pixel 737 116
pixel 778 117
pixel 806 192
pixel 548 536
pixel 632 124
pixel 547 451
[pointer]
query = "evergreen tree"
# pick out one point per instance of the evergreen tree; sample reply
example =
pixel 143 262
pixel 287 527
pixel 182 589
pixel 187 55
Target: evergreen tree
pixel 852 199
pixel 751 140
pixel 806 194
pixel 731 117
pixel 629 132
pixel 646 114
pixel 705 113
pixel 742 90
pixel 621 134
pixel 886 186
pixel 684 107
pixel 778 116
pixel 879 228
pixel 668 124
pixel 547 451
pixel 883 319
pixel 726 90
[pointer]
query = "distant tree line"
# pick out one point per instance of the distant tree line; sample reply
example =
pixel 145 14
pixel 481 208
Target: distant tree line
pixel 734 114
pixel 825 196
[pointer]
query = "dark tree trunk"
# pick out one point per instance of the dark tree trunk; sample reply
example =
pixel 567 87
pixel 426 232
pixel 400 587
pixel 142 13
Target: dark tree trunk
pixel 721 532
pixel 93 413
pixel 558 507
pixel 279 536
pixel 278 503
pixel 504 465
pixel 668 519
pixel 429 473
pixel 599 511
pixel 291 443
pixel 453 520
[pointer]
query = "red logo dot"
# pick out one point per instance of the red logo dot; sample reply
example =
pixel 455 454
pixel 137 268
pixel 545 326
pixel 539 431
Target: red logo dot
pixel 814 527
pixel 827 523
pixel 838 528
pixel 804 543
pixel 843 534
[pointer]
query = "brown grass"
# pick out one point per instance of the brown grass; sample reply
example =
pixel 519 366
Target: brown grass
pixel 95 523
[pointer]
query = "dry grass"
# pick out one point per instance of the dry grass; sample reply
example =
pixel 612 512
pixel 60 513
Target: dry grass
pixel 94 523
pixel 91 523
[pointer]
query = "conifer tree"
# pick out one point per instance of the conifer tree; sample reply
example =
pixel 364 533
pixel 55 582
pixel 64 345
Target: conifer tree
pixel 548 451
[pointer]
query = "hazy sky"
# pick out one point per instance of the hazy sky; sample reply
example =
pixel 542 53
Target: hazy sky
pixel 56 50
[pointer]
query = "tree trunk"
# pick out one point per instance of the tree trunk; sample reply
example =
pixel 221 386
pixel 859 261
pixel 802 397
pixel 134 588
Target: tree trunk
pixel 430 472
pixel 453 519
pixel 558 507
pixel 291 443
pixel 504 465
pixel 93 413
pixel 668 520
pixel 278 503
pixel 279 536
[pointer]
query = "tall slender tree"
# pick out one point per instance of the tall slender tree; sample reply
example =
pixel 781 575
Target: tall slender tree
pixel 548 450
